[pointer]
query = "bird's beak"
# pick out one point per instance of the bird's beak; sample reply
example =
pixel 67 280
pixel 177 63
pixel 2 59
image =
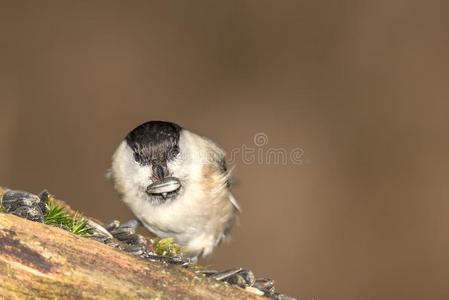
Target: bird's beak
pixel 164 186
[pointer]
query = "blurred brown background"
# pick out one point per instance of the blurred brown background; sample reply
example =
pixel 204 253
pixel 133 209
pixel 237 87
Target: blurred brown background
pixel 361 86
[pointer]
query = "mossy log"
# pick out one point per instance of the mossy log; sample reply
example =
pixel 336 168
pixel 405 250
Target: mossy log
pixel 38 261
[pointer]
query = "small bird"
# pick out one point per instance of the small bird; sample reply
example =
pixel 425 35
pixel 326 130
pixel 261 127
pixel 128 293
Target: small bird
pixel 177 185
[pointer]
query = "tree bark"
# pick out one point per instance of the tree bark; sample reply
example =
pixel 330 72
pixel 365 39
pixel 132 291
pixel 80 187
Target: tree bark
pixel 45 262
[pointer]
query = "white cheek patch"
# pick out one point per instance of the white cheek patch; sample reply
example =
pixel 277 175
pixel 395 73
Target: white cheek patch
pixel 129 177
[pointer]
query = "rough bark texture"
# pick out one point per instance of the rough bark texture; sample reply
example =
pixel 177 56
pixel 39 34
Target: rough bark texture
pixel 40 261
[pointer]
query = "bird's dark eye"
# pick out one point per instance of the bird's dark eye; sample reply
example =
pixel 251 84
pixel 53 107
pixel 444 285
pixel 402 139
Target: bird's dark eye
pixel 174 151
pixel 137 157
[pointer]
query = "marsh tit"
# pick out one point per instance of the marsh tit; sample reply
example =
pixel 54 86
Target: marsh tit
pixel 177 185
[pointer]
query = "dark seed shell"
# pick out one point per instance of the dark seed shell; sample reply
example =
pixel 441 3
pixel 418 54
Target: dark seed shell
pixel 237 279
pixel 12 200
pixel 279 296
pixel 134 249
pixel 123 233
pixel 264 283
pixel 248 276
pixel 30 213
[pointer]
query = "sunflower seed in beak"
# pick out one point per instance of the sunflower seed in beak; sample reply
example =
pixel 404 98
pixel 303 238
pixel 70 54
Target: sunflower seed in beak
pixel 167 185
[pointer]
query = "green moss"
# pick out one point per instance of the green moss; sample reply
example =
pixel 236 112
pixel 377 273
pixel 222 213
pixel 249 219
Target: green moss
pixel 57 216
pixel 167 247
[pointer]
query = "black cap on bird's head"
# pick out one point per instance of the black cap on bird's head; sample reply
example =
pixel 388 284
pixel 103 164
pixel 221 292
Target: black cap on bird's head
pixel 154 144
